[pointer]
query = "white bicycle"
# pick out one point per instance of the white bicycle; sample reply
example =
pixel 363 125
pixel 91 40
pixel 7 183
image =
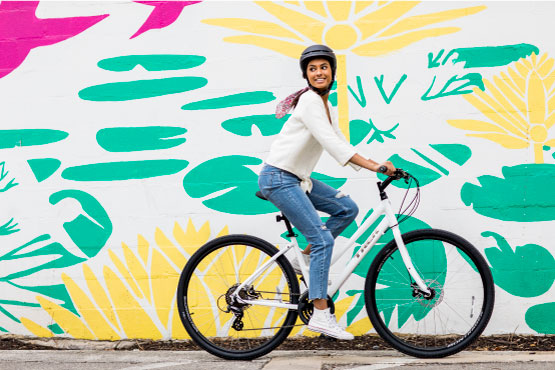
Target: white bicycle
pixel 429 293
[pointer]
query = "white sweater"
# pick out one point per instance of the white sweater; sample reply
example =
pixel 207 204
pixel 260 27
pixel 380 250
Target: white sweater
pixel 302 139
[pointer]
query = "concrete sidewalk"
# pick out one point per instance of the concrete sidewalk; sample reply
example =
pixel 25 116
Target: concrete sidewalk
pixel 290 360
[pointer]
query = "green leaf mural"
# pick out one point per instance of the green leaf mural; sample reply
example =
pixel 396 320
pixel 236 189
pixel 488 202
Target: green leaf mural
pixel 29 137
pixel 540 318
pixel 268 124
pixel 528 271
pixel 424 175
pixel 153 62
pixel 117 171
pixel 234 100
pixel 133 139
pixel 359 129
pixel 43 168
pixel 9 227
pixel 524 193
pixel 228 173
pixel 92 228
pixel 8 183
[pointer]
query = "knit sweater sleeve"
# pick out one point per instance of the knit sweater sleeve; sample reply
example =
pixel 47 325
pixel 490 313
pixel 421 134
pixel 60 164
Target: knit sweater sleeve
pixel 315 119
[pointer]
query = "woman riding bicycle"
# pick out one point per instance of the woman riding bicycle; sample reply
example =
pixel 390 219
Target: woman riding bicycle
pixel 285 178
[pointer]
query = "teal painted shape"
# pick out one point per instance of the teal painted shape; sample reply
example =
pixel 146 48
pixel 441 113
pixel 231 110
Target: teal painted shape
pixel 3 330
pixel 248 98
pixel 232 174
pixel 92 228
pixel 55 328
pixel 117 171
pixel 26 257
pixel 133 139
pixel 360 98
pixel 457 153
pixel 332 98
pixel 456 86
pixel 30 137
pixel 430 161
pixel 540 318
pixel 57 292
pixel 154 62
pixel 379 83
pixel 358 130
pixel 528 271
pixel 9 228
pixel 492 56
pixel 43 168
pixel 359 305
pixel 268 124
pixel 334 182
pixel 141 89
pixel 8 313
pixel 524 194
pixel 424 175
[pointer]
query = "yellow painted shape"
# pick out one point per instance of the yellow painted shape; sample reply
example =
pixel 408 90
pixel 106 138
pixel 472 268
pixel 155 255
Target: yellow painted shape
pixel 538 133
pixel 538 153
pixel 491 109
pixel 550 120
pixel 297 328
pixel 283 47
pixel 89 312
pixel 340 10
pixel 143 247
pixel 511 113
pixel 253 26
pixel 163 278
pixel 376 21
pixel 360 327
pixel 522 69
pixel 475 125
pixel 504 140
pixel 138 272
pixel 546 68
pixel 550 142
pixel 316 7
pixel 342 95
pixel 341 37
pixel 224 231
pixel 36 329
pixel 67 320
pixel 169 249
pixel 519 81
pixel 361 5
pixel 509 93
pixel 178 330
pixel 191 240
pixel 386 46
pixel 513 85
pixel 308 26
pixel 342 306
pixel 551 105
pixel 99 295
pixel 124 271
pixel 200 306
pixel 537 103
pixel 292 2
pixel 135 322
pixel 420 21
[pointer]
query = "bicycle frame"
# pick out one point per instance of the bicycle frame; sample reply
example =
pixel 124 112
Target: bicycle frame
pixel 389 221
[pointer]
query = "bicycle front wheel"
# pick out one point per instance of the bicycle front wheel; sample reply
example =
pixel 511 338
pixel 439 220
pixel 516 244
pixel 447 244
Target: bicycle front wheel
pixel 448 320
pixel 223 326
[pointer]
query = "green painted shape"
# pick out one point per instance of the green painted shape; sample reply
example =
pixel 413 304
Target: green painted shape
pixel 528 271
pixel 332 98
pixel 30 137
pixel 492 56
pixel 125 170
pixel 133 139
pixel 524 194
pixel 141 89
pixel 360 98
pixel 154 62
pixel 268 124
pixel 432 162
pixel 26 255
pixel 248 98
pixel 9 228
pixel 58 292
pixel 92 228
pixel 43 168
pixel 379 83
pixel 457 153
pixel 424 175
pixel 8 313
pixel 3 330
pixel 433 61
pixel 359 305
pixel 358 130
pixel 456 86
pixel 540 318
pixel 334 182
pixel 56 329
pixel 232 174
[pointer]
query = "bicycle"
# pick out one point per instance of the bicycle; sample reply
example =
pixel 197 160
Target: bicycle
pixel 432 281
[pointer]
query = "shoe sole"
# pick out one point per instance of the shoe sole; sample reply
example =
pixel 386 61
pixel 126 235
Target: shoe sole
pixel 324 331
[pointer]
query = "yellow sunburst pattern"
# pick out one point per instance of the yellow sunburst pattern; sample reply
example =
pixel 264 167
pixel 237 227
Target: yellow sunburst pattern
pixel 520 106
pixel 365 28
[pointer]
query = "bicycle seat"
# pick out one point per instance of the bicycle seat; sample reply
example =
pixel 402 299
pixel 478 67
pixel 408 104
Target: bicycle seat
pixel 259 194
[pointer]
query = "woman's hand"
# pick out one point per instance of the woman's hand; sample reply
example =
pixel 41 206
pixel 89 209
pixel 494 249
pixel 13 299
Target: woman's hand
pixel 389 168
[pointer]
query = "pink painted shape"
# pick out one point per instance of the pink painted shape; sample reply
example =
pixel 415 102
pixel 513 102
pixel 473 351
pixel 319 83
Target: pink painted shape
pixel 21 31
pixel 164 14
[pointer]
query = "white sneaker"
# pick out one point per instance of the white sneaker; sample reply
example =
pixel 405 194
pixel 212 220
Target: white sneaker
pixel 322 321
pixel 297 266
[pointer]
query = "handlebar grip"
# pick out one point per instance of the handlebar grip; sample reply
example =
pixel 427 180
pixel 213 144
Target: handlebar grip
pixel 382 169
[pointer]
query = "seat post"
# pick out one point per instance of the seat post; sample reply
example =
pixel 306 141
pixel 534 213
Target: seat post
pixel 290 233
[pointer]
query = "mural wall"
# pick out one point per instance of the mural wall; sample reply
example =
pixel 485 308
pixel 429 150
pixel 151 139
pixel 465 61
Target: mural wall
pixel 132 133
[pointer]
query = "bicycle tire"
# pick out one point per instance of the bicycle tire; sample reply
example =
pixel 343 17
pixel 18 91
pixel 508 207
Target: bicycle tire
pixel 201 296
pixel 437 326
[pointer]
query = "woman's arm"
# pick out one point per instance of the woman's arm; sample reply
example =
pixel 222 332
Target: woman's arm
pixel 372 165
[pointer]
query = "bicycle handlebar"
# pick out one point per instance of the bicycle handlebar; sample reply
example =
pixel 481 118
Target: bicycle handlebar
pixel 398 175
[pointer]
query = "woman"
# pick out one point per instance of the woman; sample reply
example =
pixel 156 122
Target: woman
pixel 285 178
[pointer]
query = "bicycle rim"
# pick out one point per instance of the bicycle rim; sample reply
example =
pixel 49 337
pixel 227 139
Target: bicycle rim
pixel 436 326
pixel 207 282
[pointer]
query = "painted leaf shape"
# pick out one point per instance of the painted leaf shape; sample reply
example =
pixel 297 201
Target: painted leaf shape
pixel 424 175
pixel 154 62
pixel 268 124
pixel 540 318
pixel 132 139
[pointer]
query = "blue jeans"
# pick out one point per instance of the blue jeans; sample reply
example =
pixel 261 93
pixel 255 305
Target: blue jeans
pixel 283 189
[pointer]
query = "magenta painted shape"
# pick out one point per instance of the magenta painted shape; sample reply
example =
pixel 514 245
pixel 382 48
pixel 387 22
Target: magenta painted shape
pixel 21 31
pixel 164 14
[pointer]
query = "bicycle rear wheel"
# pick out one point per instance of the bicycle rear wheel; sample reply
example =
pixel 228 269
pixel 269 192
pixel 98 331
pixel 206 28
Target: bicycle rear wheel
pixel 446 322
pixel 206 307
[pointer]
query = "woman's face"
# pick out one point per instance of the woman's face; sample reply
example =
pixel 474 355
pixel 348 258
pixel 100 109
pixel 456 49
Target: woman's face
pixel 319 74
